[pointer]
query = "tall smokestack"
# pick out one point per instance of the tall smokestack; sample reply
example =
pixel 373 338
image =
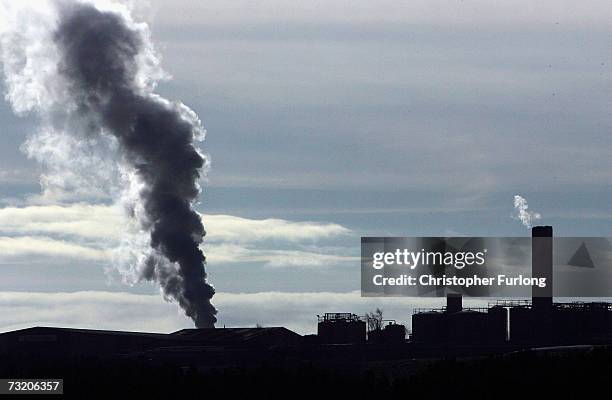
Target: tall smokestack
pixel 542 266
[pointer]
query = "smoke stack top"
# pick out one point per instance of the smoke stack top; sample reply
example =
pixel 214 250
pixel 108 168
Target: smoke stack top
pixel 542 231
pixel 101 67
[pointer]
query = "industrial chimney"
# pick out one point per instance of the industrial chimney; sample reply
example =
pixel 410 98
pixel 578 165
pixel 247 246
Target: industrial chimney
pixel 542 266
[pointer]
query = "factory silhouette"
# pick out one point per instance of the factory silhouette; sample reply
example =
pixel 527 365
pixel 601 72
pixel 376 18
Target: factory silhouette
pixel 343 348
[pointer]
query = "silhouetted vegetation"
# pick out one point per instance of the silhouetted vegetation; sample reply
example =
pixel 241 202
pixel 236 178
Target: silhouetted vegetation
pixel 375 319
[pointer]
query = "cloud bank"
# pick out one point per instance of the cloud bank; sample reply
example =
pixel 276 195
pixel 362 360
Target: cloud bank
pixel 126 311
pixel 96 233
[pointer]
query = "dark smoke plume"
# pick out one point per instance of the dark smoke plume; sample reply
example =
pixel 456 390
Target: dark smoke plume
pixel 99 60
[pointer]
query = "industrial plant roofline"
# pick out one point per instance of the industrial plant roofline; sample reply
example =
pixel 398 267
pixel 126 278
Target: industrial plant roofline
pixel 444 309
pixel 510 303
pixel 577 305
pixel 567 305
pixel 339 317
pixel 180 333
pixel 581 305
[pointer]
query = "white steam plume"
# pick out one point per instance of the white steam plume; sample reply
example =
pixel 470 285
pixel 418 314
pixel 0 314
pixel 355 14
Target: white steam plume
pixel 522 213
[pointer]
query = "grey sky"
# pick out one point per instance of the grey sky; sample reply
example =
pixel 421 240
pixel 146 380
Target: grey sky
pixel 455 109
pixel 398 118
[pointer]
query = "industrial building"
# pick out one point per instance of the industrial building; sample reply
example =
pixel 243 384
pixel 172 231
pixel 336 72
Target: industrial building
pixel 341 328
pixel 392 333
pixel 455 324
pixel 70 342
pixel 348 328
pixel 521 322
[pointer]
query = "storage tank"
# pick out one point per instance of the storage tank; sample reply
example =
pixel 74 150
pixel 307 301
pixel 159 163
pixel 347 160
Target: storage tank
pixel 521 324
pixel 391 334
pixel 497 331
pixel 468 326
pixel 429 327
pixel 394 333
pixel 338 328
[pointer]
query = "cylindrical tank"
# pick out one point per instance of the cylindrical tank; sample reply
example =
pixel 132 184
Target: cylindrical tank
pixel 394 333
pixel 521 329
pixel 468 326
pixel 497 331
pixel 429 327
pixel 342 331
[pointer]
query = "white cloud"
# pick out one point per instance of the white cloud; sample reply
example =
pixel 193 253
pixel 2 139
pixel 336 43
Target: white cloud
pixel 237 229
pixel 126 311
pixel 92 232
pixel 82 220
pixel 99 310
pixel 231 253
pixel 100 221
pixel 15 247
